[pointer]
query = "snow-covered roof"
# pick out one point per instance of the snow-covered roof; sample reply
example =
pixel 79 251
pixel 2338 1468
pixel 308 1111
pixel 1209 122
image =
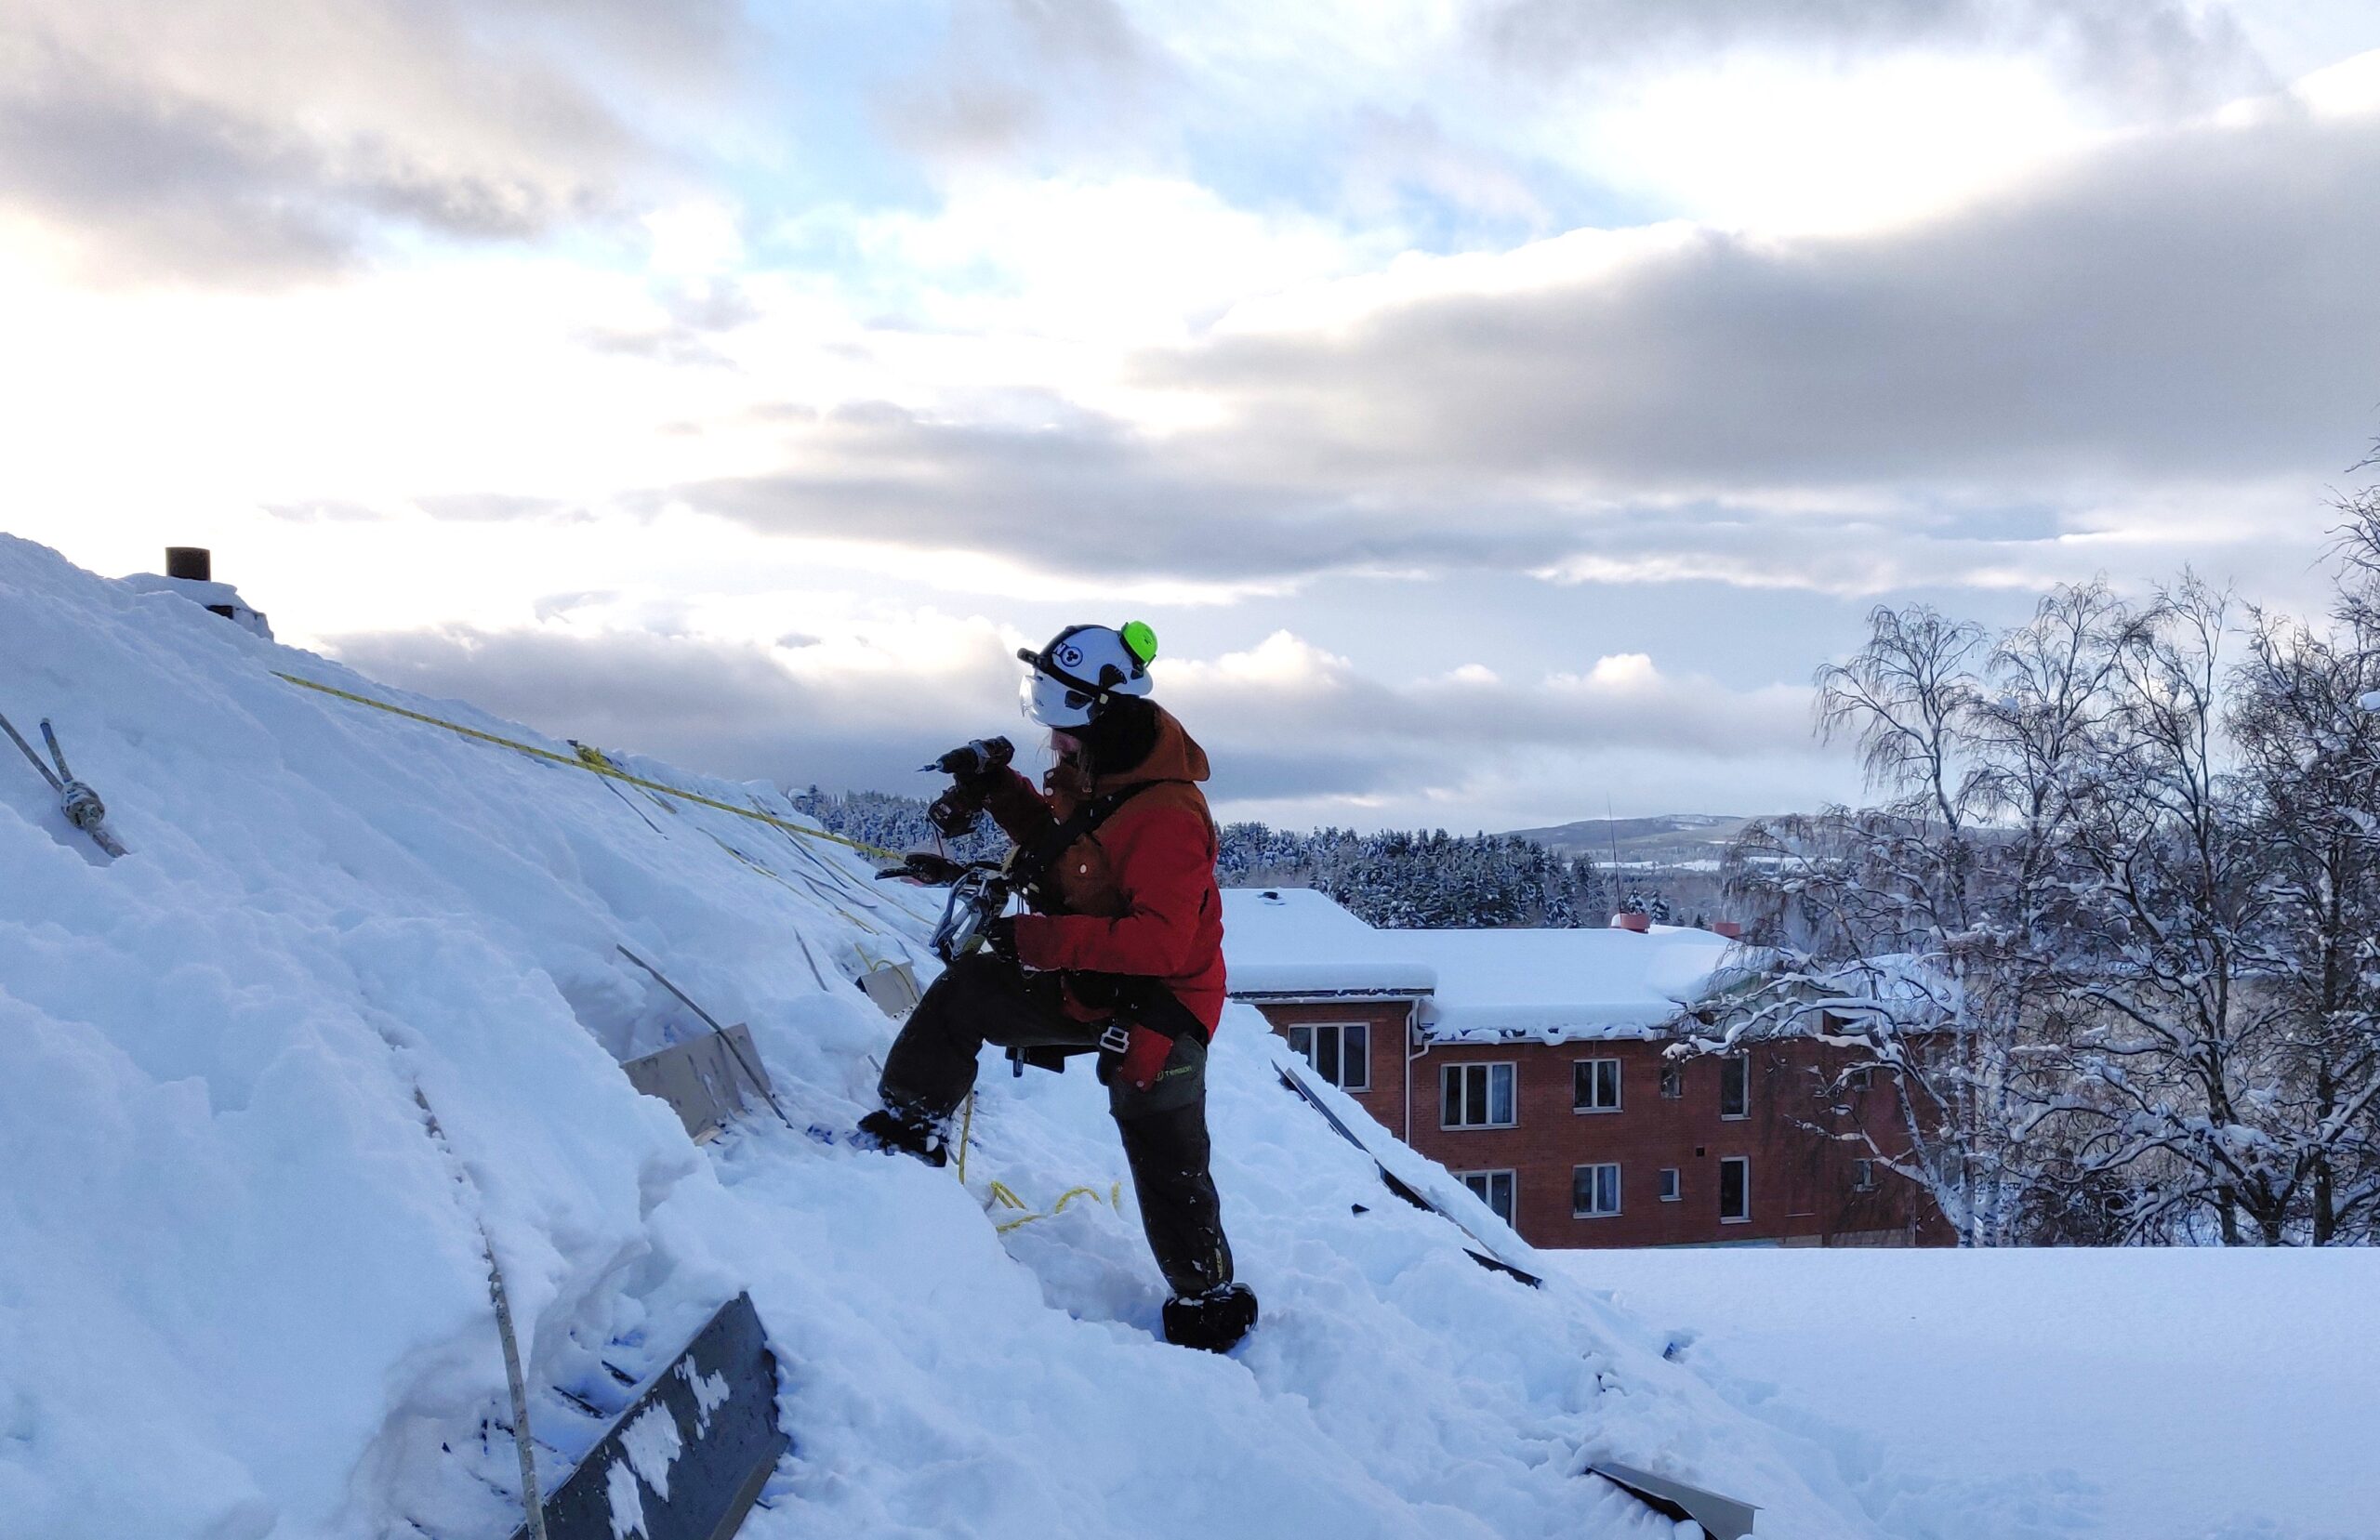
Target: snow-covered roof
pixel 1556 985
pixel 1294 940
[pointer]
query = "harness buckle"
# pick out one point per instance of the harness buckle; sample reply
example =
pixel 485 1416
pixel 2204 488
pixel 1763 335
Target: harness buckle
pixel 1116 1038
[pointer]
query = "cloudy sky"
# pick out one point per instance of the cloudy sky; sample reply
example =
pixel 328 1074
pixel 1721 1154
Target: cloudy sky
pixel 1497 407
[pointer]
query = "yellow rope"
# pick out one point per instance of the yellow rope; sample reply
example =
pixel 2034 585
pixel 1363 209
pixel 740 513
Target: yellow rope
pixel 1002 1194
pixel 966 1125
pixel 606 768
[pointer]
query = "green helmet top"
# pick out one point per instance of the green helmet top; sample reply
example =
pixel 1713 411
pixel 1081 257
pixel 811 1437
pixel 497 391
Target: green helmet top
pixel 1141 640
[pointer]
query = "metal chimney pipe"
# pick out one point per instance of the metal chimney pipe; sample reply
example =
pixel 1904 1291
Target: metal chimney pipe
pixel 193 562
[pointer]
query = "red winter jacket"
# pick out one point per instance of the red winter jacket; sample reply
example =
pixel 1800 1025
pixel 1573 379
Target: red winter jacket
pixel 1139 891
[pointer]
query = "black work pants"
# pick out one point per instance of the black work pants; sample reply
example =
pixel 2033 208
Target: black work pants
pixel 982 999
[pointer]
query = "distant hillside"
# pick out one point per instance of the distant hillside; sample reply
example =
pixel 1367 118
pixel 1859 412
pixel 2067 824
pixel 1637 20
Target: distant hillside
pixel 1670 839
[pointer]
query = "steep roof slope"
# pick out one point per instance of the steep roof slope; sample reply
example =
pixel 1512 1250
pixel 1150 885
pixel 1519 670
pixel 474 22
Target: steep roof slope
pixel 241 1289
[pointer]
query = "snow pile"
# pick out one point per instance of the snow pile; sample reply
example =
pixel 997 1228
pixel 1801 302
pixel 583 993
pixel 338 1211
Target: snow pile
pixel 1558 985
pixel 242 1289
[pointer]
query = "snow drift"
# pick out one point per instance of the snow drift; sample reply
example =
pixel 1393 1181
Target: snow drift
pixel 242 1289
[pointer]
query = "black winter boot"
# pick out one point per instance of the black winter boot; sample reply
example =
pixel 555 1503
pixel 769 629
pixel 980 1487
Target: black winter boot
pixel 1214 1321
pixel 896 1134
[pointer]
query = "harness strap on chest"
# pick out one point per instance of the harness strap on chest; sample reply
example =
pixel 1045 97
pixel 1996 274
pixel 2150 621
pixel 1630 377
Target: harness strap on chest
pixel 1033 860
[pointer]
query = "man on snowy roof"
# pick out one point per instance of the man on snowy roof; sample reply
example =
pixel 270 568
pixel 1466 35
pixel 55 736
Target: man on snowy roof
pixel 1121 952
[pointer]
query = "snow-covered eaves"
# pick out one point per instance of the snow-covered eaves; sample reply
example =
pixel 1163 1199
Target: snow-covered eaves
pixel 1477 985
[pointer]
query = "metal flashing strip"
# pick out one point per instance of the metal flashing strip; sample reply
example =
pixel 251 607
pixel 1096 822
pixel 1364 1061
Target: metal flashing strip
pixel 894 988
pixel 1720 1518
pixel 702 1079
pixel 705 1428
pixel 1478 1251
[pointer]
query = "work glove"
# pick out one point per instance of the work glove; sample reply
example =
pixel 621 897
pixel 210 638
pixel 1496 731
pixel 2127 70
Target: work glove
pixel 954 812
pixel 926 867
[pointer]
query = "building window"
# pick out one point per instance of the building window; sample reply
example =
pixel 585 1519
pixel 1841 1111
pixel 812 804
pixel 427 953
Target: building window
pixel 1672 1081
pixel 1669 1184
pixel 1475 1095
pixel 1735 1190
pixel 1858 1079
pixel 1492 1188
pixel 1863 1176
pixel 1735 1086
pixel 1594 1086
pixel 1595 1192
pixel 1339 1052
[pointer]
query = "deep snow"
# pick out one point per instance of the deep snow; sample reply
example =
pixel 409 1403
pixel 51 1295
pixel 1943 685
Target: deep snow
pixel 241 1291
pixel 2187 1394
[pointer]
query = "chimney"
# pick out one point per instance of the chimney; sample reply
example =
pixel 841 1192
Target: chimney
pixel 189 572
pixel 1732 929
pixel 1633 919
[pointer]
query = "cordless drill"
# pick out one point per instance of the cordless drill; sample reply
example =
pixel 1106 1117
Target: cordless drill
pixel 972 766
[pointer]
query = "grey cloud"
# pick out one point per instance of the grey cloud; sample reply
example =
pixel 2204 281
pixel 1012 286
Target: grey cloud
pixel 735 711
pixel 724 710
pixel 216 143
pixel 1496 717
pixel 1086 496
pixel 2187 312
pixel 2192 304
pixel 2158 55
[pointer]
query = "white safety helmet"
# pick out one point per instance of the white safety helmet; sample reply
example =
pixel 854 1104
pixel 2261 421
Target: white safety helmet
pixel 1083 669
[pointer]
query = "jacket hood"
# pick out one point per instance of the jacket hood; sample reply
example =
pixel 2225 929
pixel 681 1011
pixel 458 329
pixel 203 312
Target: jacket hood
pixel 1174 757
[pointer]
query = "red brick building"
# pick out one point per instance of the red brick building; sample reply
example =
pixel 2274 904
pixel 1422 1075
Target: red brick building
pixel 1530 1064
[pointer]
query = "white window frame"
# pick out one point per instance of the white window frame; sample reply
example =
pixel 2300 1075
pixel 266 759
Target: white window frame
pixel 1488 1095
pixel 1593 1083
pixel 1724 1217
pixel 1595 1185
pixel 1363 1061
pixel 1487 1179
pixel 1743 1061
pixel 1672 1184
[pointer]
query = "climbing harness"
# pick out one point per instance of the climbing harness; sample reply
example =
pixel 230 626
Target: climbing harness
pixel 76 798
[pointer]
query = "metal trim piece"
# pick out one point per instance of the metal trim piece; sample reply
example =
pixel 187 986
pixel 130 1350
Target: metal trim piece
pixel 1720 1518
pixel 721 1395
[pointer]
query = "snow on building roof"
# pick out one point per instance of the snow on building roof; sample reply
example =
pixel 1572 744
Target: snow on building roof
pixel 1295 940
pixel 1556 985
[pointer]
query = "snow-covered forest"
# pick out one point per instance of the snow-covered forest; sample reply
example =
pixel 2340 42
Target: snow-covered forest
pixel 2109 923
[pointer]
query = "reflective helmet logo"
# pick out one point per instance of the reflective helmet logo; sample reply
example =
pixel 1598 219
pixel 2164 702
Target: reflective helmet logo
pixel 1069 657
